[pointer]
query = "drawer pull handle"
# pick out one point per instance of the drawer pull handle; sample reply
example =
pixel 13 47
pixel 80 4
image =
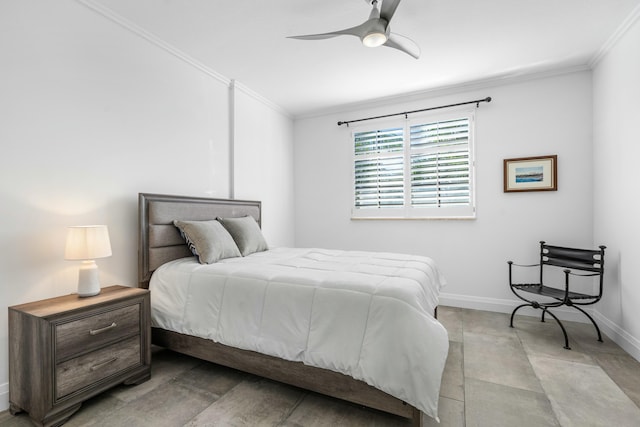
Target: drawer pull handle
pixel 101 330
pixel 100 365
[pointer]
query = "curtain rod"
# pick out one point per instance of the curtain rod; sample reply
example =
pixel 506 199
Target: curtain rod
pixel 477 102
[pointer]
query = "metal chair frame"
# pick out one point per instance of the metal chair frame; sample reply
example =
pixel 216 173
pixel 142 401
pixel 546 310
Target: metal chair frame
pixel 588 262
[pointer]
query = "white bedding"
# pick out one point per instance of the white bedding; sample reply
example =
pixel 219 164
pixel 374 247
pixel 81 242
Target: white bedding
pixel 368 315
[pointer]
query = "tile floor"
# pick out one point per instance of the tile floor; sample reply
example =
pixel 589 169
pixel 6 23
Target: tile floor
pixel 495 376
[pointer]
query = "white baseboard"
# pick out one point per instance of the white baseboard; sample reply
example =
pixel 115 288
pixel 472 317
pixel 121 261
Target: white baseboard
pixel 618 335
pixel 4 396
pixel 507 306
pixel 624 339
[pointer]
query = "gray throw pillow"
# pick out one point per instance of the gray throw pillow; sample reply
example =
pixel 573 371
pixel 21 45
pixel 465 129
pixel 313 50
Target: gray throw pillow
pixel 209 240
pixel 246 233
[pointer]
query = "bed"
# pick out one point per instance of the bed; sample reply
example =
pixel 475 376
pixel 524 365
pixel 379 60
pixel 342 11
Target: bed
pixel 407 386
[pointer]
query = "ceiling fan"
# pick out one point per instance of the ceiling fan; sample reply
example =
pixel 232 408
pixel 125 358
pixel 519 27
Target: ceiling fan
pixel 376 31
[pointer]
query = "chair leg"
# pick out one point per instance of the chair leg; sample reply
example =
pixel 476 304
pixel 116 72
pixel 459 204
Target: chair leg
pixel 513 313
pixel 592 321
pixel 564 332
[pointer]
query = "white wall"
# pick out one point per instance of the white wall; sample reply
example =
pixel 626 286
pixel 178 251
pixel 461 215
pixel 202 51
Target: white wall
pixel 91 114
pixel 542 116
pixel 616 112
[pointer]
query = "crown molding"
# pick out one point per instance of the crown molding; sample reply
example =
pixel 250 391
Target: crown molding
pixel 471 85
pixel 152 38
pixel 615 37
pixel 167 47
pixel 245 89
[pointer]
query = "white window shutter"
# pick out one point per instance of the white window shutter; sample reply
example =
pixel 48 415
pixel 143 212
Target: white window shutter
pixel 428 174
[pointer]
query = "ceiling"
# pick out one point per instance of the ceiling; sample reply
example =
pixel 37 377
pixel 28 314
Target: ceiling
pixel 462 41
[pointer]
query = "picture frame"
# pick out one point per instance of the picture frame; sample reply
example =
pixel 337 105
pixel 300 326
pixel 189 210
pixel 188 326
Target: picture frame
pixel 531 174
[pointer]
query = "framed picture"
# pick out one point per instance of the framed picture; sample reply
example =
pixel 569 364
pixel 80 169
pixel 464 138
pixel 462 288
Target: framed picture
pixel 531 174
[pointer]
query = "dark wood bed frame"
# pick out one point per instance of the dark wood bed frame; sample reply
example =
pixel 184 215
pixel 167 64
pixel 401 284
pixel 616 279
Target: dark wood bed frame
pixel 160 242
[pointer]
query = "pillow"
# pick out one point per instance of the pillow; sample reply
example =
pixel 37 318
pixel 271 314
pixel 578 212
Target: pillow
pixel 246 233
pixel 208 240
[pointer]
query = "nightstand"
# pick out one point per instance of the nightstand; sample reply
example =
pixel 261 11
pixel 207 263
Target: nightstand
pixel 65 350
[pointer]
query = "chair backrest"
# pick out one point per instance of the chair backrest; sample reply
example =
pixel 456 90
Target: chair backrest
pixel 591 260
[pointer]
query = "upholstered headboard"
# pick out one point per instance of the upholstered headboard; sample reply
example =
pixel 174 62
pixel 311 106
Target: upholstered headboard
pixel 159 240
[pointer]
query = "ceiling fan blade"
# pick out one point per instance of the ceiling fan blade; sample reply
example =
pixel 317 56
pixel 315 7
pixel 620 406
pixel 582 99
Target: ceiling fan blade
pixel 358 31
pixel 403 44
pixel 388 9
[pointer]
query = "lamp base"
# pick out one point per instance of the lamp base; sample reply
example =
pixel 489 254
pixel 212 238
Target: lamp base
pixel 88 284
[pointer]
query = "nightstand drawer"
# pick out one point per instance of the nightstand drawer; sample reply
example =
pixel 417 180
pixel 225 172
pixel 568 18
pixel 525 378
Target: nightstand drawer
pixel 94 331
pixel 82 371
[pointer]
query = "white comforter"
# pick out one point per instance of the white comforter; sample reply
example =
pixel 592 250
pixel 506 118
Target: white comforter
pixel 368 315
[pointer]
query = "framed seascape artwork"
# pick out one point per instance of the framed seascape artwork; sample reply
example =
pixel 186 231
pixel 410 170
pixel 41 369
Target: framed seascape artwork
pixel 531 174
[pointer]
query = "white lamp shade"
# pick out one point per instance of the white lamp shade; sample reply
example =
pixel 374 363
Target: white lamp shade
pixel 87 242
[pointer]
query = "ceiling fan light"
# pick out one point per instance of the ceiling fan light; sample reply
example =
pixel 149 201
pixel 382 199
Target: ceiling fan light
pixel 374 39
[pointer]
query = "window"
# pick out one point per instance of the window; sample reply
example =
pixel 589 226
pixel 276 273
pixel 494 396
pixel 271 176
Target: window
pixel 419 168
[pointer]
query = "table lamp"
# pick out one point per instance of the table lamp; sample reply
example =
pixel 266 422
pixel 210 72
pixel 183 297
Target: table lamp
pixel 88 243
